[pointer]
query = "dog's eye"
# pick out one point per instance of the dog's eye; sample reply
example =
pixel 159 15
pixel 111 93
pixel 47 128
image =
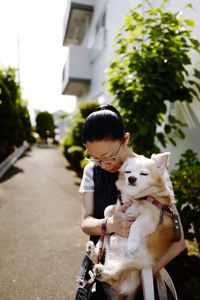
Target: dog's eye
pixel 144 174
pixel 128 172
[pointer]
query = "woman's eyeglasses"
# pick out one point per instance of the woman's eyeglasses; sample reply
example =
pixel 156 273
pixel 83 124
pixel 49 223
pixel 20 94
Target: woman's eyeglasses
pixel 107 160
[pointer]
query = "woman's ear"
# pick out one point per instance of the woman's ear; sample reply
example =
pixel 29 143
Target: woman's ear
pixel 126 138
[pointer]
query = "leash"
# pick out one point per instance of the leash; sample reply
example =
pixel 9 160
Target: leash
pixel 90 284
pixel 163 279
pixel 101 241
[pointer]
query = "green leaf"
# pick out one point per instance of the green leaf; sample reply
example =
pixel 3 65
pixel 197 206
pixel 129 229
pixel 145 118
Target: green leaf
pixel 195 43
pixel 181 134
pixel 172 141
pixel 197 73
pixel 160 136
pixel 189 22
pixel 189 5
pixel 167 129
pixel 198 88
pixel 172 119
pixel 194 92
pixel 181 123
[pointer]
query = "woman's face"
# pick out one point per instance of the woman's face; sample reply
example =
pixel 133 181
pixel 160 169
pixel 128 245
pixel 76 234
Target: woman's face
pixel 108 154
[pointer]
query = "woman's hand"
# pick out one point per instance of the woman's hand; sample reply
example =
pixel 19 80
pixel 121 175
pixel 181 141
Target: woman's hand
pixel 120 223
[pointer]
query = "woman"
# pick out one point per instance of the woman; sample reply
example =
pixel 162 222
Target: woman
pixel 106 142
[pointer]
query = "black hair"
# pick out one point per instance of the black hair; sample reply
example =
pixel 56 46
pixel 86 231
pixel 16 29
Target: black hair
pixel 103 124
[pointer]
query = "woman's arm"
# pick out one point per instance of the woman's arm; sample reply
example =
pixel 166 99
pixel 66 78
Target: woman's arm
pixel 119 222
pixel 175 248
pixel 89 224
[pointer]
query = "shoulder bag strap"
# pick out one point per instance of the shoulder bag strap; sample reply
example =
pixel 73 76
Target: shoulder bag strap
pixel 163 278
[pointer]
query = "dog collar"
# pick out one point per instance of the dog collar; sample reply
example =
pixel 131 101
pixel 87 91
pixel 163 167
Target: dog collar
pixel 157 203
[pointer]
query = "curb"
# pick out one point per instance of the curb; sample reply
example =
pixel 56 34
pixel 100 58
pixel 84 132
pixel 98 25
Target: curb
pixel 11 159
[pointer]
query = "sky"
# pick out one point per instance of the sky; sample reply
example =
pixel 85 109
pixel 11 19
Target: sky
pixel 31 39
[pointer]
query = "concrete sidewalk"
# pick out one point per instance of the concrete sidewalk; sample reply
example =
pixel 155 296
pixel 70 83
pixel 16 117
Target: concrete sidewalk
pixel 41 243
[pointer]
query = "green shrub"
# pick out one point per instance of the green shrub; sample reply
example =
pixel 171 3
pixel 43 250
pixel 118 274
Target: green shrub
pixel 186 185
pixel 75 155
pixel 72 147
pixel 184 271
pixel 15 125
pixel 192 289
pixel 45 125
pixel 87 108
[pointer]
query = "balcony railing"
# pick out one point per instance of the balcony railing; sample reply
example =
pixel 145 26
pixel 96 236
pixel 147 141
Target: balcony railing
pixel 76 72
pixel 77 17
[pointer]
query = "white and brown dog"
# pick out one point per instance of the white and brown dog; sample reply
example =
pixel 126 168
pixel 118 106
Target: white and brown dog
pixel 143 181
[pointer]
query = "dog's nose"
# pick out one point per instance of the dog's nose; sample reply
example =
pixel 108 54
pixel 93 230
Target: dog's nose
pixel 132 180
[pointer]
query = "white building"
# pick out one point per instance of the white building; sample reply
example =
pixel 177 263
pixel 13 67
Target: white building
pixel 62 122
pixel 89 30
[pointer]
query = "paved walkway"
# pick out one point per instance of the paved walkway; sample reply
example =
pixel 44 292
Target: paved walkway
pixel 41 243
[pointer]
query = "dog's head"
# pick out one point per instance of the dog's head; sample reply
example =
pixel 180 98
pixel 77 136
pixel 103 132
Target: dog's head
pixel 140 176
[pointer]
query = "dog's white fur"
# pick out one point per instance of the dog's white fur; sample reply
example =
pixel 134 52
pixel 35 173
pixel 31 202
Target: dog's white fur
pixel 148 240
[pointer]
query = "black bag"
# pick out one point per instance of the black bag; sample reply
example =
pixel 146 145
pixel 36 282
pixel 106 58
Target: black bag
pixel 85 291
pixel 105 193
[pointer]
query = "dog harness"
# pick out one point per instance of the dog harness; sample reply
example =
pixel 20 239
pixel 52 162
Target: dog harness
pixel 167 208
pixel 163 208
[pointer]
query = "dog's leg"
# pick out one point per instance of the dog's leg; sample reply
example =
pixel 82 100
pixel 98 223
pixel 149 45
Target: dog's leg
pixel 140 229
pixel 103 274
pixel 109 211
pixel 91 251
pixel 113 272
pixel 124 277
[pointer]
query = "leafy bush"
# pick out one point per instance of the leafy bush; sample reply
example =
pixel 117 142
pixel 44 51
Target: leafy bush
pixel 45 125
pixel 15 125
pixel 75 155
pixel 184 270
pixel 151 66
pixel 73 148
pixel 192 289
pixel 186 185
pixel 185 180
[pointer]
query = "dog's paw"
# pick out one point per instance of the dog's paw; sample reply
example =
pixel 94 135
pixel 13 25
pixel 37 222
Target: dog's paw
pixel 132 211
pixel 90 251
pixel 99 273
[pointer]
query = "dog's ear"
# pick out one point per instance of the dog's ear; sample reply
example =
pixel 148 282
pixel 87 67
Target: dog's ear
pixel 161 159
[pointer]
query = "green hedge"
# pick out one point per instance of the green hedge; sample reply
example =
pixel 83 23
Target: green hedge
pixel 15 125
pixel 72 147
pixel 185 180
pixel 184 269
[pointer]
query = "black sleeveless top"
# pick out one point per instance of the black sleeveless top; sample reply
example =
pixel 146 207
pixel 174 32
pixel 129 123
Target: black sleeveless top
pixel 105 193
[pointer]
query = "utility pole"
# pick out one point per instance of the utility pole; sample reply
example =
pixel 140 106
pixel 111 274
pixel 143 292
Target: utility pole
pixel 18 53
